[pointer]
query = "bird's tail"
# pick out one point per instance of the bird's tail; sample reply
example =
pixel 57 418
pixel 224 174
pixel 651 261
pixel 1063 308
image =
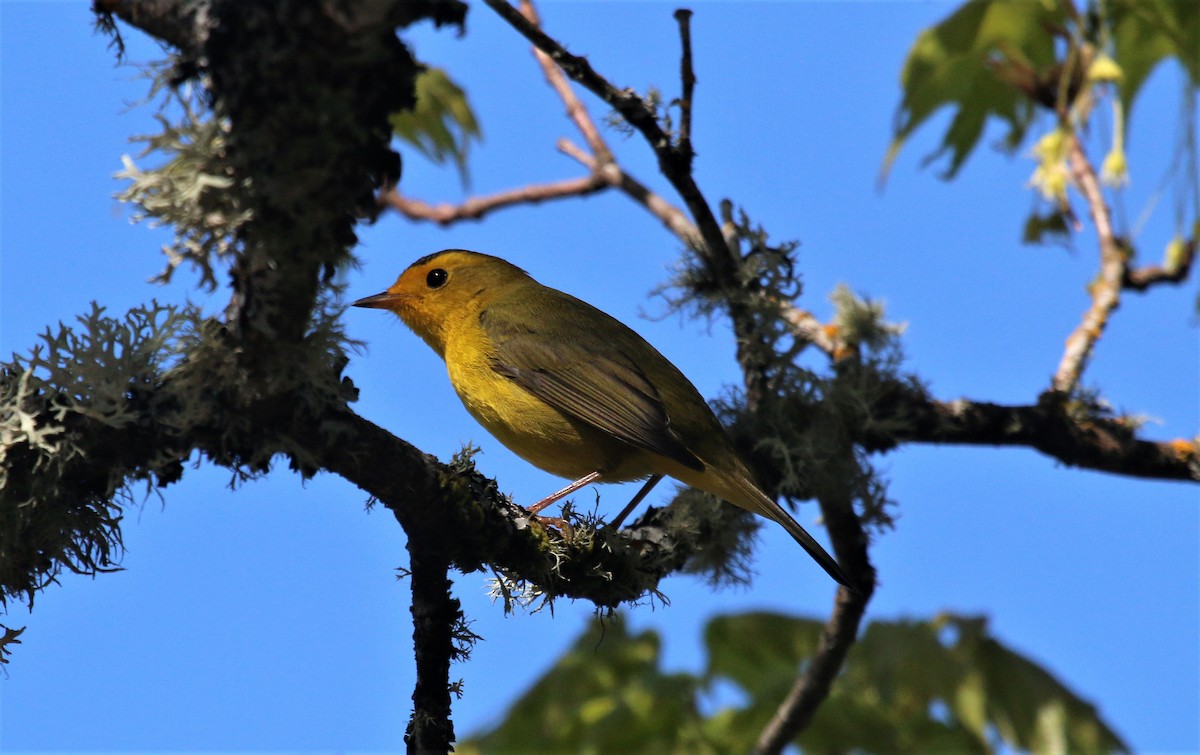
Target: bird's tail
pixel 755 500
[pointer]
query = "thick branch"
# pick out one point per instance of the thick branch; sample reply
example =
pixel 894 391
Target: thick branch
pixel 1073 436
pixel 183 25
pixel 434 612
pixel 612 568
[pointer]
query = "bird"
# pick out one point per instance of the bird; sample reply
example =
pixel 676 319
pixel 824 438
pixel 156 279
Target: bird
pixel 569 388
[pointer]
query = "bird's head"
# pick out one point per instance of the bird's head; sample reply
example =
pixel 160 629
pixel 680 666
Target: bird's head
pixel 443 290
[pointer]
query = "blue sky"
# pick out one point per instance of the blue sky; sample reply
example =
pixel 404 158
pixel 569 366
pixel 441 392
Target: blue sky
pixel 269 618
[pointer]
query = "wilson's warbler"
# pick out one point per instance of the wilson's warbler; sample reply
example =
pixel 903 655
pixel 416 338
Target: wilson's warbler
pixel 570 389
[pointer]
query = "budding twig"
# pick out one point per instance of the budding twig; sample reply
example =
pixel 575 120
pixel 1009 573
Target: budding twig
pixel 1106 289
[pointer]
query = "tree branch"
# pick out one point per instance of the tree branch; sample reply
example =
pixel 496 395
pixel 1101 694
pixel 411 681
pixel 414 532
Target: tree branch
pixel 1174 271
pixel 183 25
pixel 434 613
pixel 687 78
pixel 836 488
pixel 812 687
pixel 1106 289
pixel 575 109
pixel 672 217
pixel 674 164
pixel 809 329
pixel 1074 434
pixel 475 208
pixel 601 164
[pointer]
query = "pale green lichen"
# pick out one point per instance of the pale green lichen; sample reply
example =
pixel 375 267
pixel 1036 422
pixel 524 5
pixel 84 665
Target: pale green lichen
pixel 189 190
pixel 77 427
pixel 861 320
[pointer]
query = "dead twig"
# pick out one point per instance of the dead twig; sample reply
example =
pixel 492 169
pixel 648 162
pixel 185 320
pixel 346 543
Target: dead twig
pixel 687 78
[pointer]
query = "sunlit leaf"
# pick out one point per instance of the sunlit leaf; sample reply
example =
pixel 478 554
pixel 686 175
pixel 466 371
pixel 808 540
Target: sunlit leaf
pixel 1002 59
pixel 1146 32
pixel 442 125
pixel 760 652
pixel 606 694
pixel 943 685
pixel 983 61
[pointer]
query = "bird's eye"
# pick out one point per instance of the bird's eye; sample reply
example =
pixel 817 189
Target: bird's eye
pixel 436 278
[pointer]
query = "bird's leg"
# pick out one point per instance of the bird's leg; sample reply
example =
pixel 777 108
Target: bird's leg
pixel 568 490
pixel 641 495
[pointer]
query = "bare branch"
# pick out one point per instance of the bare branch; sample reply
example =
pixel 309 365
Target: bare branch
pixel 672 217
pixel 812 687
pixel 601 161
pixel 1075 435
pixel 807 328
pixel 1143 278
pixel 687 78
pixel 475 208
pixel 1106 289
pixel 673 163
pixel 575 109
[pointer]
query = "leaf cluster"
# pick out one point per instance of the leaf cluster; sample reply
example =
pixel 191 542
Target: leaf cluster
pixel 945 684
pixel 1006 59
pixel 442 124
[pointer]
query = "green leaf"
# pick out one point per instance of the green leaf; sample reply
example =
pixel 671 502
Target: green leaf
pixel 1029 707
pixel 760 652
pixel 1045 228
pixel 1146 32
pixel 442 125
pixel 606 694
pixel 984 61
pixel 943 685
pixel 1003 58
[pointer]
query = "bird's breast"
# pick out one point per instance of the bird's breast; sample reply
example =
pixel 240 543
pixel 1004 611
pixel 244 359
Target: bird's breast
pixel 534 430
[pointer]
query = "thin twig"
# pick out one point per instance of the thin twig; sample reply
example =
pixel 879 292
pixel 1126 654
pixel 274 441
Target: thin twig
pixel 575 109
pixel 807 328
pixel 673 164
pixel 675 219
pixel 1142 278
pixel 1106 289
pixel 475 208
pixel 687 78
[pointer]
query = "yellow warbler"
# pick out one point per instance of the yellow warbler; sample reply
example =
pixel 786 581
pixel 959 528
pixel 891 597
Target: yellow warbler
pixel 570 389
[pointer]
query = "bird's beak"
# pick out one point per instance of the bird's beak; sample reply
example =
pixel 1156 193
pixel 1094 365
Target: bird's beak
pixel 379 301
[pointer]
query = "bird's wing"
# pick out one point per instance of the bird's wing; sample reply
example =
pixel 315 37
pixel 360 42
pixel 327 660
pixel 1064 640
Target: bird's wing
pixel 596 382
